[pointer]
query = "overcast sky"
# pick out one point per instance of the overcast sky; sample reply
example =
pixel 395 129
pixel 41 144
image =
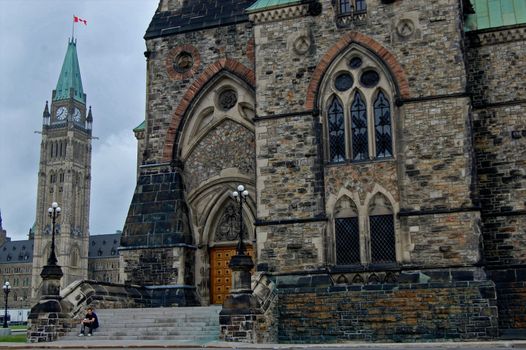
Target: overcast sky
pixel 33 42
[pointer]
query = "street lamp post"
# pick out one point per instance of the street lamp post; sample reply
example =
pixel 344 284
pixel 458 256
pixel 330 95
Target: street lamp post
pixel 240 196
pixel 52 273
pixel 7 289
pixel 54 213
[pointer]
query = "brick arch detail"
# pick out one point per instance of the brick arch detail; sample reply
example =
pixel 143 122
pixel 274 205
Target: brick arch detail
pixel 225 64
pixel 363 40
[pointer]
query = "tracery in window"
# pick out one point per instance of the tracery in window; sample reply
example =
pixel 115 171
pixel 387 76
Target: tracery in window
pixel 357 95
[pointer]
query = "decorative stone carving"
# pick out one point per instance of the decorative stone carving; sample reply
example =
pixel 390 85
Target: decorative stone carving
pixel 228 225
pixel 183 62
pixel 302 44
pixel 227 99
pixel 405 27
pixel 283 13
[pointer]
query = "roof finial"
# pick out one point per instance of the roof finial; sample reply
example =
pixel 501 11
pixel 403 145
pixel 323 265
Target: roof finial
pixel 0 219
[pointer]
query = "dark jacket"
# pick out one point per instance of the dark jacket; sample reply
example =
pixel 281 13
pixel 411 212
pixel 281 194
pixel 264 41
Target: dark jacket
pixel 95 323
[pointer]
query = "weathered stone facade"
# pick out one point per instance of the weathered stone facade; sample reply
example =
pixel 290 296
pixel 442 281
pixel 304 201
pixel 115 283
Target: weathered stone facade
pixel 377 144
pixel 499 100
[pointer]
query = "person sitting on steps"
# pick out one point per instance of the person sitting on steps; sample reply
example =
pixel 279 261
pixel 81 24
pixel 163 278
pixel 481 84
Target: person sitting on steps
pixel 91 321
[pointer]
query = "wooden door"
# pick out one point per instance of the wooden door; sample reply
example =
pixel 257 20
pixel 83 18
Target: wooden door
pixel 220 273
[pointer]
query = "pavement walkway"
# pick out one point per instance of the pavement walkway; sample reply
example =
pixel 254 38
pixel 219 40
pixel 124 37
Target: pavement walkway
pixel 170 344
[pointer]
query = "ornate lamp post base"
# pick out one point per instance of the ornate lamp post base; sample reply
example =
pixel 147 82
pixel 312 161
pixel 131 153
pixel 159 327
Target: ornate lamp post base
pixel 51 275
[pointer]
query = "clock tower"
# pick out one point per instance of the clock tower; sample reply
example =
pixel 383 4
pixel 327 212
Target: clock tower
pixel 64 177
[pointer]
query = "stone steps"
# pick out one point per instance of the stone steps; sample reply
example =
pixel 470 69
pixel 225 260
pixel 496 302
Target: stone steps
pixel 184 324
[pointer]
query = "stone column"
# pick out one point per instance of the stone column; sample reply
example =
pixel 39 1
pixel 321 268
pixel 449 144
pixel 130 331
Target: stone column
pixel 238 318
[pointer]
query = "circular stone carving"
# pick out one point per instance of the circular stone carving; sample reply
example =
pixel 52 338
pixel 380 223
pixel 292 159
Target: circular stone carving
pixel 227 99
pixel 405 28
pixel 369 78
pixel 183 62
pixel 343 82
pixel 355 62
pixel 302 45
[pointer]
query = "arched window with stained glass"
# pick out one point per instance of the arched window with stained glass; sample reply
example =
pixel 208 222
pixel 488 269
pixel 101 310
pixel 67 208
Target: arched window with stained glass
pixel 358 94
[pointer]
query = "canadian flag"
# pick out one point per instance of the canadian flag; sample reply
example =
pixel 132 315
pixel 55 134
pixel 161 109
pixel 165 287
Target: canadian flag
pixel 78 19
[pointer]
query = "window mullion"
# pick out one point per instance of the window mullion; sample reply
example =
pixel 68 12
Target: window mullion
pixel 371 127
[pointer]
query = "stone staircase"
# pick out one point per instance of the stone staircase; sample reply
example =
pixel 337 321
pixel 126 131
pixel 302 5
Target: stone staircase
pixel 180 324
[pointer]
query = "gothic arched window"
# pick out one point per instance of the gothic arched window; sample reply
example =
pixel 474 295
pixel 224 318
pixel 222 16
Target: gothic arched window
pixel 357 95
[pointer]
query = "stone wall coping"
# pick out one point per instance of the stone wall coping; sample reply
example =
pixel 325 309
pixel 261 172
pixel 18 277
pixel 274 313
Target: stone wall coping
pixel 384 287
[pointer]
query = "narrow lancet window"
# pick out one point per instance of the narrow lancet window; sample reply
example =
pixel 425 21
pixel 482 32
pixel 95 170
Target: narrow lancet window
pixel 382 126
pixel 360 149
pixel 336 131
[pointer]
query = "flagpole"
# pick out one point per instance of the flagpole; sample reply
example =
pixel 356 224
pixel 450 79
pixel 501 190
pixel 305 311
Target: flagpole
pixel 73 29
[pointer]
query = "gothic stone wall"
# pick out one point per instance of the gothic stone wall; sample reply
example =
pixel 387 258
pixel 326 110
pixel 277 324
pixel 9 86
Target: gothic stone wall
pixel 434 162
pixel 497 81
pixel 389 312
pixel 165 90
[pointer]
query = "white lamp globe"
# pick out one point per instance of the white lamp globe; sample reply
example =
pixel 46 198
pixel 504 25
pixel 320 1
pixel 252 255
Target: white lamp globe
pixel 240 188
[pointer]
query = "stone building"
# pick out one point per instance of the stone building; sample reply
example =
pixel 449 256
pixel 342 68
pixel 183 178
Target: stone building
pixel 103 258
pixel 382 143
pixel 16 265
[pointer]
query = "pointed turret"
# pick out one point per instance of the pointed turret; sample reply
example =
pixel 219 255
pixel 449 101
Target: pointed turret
pixel 46 115
pixel 70 83
pixel 89 119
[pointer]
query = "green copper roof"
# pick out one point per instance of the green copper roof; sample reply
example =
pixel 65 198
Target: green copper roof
pixel 496 13
pixel 264 5
pixel 70 77
pixel 140 127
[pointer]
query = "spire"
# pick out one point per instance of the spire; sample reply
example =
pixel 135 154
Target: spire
pixel 90 116
pixel 70 81
pixel 89 120
pixel 46 116
pixel 46 111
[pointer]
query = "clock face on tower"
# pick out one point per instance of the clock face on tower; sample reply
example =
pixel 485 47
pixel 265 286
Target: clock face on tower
pixel 76 115
pixel 62 113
